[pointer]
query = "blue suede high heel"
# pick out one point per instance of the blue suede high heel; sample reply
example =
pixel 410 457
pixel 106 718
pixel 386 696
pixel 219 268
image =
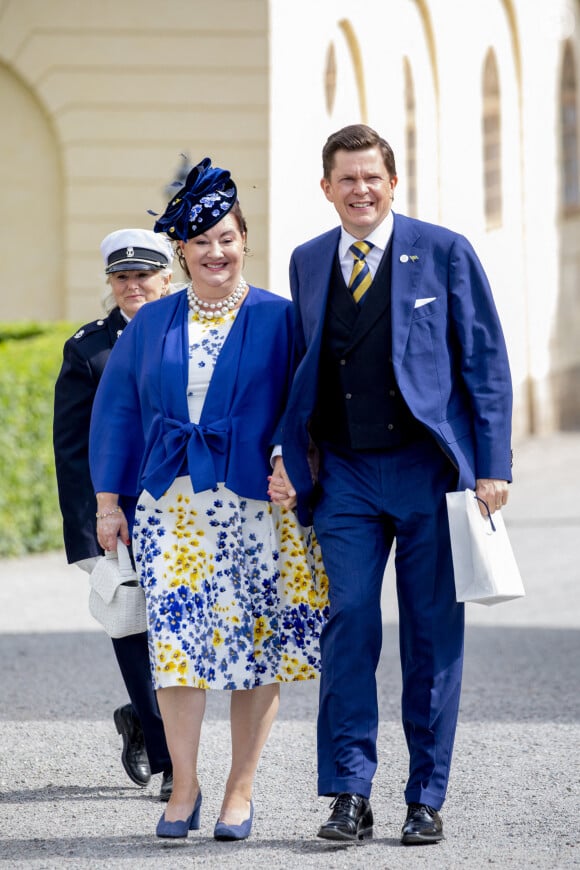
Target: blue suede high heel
pixel 181 827
pixel 234 832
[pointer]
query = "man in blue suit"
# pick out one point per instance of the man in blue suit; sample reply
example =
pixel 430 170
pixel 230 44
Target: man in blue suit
pixel 403 394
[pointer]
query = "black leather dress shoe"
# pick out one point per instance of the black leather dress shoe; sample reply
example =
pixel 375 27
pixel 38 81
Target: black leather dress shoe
pixel 166 785
pixel 423 825
pixel 134 754
pixel 351 819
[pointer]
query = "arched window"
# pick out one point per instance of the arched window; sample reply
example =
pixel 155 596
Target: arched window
pixel 410 141
pixel 330 78
pixel 570 191
pixel 491 128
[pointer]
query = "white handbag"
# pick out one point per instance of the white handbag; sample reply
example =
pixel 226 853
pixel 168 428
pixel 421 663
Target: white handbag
pixel 116 599
pixel 484 565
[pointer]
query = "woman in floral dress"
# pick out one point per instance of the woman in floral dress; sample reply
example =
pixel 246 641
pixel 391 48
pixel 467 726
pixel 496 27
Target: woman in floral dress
pixel 184 418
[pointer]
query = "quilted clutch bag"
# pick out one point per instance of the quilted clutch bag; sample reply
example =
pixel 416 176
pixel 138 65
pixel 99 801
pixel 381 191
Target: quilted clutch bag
pixel 116 599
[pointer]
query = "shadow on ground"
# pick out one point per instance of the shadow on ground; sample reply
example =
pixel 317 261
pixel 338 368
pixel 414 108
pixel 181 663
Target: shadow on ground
pixel 511 673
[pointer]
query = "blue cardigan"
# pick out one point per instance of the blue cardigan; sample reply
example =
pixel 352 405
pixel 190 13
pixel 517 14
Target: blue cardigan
pixel 141 436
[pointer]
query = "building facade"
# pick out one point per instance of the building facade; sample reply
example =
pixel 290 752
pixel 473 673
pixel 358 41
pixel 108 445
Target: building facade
pixel 479 101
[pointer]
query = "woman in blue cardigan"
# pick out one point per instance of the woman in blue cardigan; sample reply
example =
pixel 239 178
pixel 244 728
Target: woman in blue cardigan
pixel 184 419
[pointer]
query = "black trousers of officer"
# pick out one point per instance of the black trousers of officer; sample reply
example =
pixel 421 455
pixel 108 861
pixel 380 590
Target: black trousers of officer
pixel 132 654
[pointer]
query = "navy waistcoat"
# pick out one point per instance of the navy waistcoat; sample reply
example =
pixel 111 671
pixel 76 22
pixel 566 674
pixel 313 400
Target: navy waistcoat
pixel 359 404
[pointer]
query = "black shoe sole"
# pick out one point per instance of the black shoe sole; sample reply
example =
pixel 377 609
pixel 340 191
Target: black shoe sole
pixel 341 836
pixel 421 839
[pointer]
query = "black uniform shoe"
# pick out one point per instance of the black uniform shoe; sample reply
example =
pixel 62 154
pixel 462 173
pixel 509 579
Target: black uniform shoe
pixel 134 755
pixel 166 785
pixel 423 825
pixel 351 819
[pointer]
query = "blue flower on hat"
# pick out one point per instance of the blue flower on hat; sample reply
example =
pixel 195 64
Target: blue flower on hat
pixel 207 195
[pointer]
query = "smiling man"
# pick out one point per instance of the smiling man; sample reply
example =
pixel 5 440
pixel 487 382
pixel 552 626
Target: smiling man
pixel 403 394
pixel 360 185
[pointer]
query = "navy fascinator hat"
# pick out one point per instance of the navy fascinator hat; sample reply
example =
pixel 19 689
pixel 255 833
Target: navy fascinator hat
pixel 206 197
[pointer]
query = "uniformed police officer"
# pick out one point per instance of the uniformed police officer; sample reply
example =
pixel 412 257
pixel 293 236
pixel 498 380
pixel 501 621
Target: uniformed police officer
pixel 138 268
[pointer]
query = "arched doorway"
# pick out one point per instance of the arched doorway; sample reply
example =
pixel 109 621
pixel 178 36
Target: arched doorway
pixel 31 242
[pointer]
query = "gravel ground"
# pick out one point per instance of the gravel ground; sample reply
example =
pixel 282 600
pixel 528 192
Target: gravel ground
pixel 513 802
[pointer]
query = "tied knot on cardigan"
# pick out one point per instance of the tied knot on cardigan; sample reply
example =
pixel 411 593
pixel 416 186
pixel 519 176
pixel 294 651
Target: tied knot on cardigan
pixel 198 444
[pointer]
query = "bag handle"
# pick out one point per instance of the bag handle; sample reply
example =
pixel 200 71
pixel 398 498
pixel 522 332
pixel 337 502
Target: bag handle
pixel 477 498
pixel 122 555
pixel 125 564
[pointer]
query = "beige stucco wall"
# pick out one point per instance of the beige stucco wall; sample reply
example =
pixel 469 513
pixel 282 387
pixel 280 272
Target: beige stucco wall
pixel 445 42
pixel 99 100
pixel 32 264
pixel 108 95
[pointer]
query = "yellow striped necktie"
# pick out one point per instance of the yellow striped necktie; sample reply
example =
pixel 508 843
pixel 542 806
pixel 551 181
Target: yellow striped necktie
pixel 361 278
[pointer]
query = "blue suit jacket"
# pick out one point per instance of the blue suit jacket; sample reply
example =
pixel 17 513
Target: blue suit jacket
pixel 141 436
pixel 448 351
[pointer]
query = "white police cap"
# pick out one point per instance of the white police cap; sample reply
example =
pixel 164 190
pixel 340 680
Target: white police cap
pixel 136 249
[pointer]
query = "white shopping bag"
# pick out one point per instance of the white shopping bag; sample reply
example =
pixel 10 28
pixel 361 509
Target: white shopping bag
pixel 484 565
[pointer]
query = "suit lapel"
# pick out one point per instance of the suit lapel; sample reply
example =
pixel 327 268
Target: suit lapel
pixel 408 265
pixel 315 284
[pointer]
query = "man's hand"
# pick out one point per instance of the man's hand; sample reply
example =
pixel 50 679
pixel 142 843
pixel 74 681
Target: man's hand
pixel 493 492
pixel 280 488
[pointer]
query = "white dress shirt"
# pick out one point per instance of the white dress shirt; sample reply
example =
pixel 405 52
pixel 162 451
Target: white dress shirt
pixel 379 237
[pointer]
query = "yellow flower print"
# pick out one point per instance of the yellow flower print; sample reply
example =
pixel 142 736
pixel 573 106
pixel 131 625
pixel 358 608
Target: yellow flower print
pixel 212 569
pixel 261 629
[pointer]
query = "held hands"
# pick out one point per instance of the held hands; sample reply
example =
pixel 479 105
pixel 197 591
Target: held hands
pixel 493 492
pixel 280 488
pixel 111 523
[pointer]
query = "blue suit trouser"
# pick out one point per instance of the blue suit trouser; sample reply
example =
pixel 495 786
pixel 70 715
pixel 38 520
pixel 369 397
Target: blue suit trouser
pixel 368 499
pixel 133 657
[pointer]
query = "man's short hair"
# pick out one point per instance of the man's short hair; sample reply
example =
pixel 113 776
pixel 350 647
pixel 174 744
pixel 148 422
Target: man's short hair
pixel 356 137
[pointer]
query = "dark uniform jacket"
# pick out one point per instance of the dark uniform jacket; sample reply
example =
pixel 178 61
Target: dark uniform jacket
pixel 84 358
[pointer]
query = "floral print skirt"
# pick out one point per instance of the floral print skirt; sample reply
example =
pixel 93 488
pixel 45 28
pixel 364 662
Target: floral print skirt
pixel 236 590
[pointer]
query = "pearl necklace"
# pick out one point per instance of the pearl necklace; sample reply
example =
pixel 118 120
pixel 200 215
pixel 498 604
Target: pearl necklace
pixel 218 308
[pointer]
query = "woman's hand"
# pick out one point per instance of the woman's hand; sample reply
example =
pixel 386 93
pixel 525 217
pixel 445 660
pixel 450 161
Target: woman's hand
pixel 111 522
pixel 280 488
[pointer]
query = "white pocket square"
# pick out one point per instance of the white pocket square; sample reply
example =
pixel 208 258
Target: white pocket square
pixel 420 302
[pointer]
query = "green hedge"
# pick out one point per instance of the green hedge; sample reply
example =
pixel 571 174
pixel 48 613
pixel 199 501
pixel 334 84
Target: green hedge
pixel 30 359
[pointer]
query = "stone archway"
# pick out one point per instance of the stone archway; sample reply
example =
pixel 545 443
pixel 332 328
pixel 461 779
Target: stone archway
pixel 31 242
